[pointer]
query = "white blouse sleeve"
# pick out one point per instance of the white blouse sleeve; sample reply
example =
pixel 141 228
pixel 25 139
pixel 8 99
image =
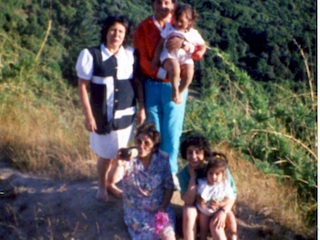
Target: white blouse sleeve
pixel 84 66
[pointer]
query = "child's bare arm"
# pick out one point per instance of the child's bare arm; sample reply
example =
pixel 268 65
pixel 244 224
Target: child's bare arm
pixel 201 50
pixel 200 200
pixel 226 204
pixel 156 56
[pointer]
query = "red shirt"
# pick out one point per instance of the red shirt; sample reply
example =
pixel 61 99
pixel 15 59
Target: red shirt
pixel 145 40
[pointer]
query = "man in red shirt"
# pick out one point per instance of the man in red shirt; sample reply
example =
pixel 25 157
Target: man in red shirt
pixel 160 109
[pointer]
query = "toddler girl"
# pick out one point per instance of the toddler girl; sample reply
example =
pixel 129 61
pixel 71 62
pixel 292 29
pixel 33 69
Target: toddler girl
pixel 178 63
pixel 213 193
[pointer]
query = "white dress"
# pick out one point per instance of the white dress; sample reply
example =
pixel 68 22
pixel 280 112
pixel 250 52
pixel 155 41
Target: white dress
pixel 107 145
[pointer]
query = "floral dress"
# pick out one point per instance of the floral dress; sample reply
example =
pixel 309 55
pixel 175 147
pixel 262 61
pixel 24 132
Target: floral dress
pixel 143 193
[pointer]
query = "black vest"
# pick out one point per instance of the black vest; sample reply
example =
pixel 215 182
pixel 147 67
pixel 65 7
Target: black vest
pixel 124 94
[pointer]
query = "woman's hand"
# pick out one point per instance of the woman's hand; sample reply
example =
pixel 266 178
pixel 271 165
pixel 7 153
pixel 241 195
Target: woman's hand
pixel 90 124
pixel 161 209
pixel 192 172
pixel 219 219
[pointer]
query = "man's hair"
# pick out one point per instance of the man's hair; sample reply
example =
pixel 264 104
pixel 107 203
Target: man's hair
pixel 152 1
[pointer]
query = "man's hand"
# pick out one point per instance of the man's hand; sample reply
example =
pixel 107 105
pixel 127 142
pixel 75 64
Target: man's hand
pixel 141 116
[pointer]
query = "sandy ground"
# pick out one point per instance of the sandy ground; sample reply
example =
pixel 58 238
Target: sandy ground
pixel 36 207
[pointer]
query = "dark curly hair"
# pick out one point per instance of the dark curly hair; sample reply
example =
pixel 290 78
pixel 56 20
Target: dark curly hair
pixel 109 22
pixel 197 141
pixel 150 130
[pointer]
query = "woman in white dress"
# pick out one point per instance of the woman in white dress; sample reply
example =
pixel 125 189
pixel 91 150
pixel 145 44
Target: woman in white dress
pixel 108 70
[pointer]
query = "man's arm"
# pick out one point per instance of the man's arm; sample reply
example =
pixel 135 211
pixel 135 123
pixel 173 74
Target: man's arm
pixel 141 116
pixel 143 43
pixel 156 56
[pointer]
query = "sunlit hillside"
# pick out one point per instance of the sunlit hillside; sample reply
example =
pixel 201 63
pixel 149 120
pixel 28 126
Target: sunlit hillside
pixel 257 100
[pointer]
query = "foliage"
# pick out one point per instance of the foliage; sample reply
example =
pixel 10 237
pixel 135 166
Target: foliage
pixel 271 120
pixel 270 123
pixel 261 37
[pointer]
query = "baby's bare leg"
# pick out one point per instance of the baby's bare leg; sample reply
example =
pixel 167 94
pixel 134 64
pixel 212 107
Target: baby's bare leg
pixel 187 71
pixel 173 68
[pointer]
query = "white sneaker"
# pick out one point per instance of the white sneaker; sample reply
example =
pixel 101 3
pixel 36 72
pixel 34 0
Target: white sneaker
pixel 176 182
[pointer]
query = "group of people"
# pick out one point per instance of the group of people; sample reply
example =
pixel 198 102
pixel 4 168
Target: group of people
pixel 154 74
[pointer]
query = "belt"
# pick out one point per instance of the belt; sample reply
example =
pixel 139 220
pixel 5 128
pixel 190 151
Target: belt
pixel 154 81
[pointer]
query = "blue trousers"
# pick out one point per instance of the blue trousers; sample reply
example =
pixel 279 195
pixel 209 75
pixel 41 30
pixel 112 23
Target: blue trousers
pixel 166 115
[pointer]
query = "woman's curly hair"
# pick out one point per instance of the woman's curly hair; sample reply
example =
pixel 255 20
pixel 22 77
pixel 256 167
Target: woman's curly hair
pixel 196 141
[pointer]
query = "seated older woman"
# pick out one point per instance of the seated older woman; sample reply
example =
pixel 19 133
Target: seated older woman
pixel 147 187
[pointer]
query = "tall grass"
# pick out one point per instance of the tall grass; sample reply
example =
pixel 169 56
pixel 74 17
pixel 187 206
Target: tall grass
pixel 270 124
pixel 41 128
pixel 269 127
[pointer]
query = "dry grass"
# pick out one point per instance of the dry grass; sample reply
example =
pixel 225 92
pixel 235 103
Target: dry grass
pixel 38 139
pixel 265 194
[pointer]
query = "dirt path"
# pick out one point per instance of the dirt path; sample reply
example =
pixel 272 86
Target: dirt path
pixel 34 207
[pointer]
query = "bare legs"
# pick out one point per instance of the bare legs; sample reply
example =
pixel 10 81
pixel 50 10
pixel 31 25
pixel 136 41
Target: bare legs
pixel 102 168
pixel 175 72
pixel 204 226
pixel 219 232
pixel 232 225
pixel 189 226
pixel 105 170
pixel 173 68
pixel 187 71
pixel 113 179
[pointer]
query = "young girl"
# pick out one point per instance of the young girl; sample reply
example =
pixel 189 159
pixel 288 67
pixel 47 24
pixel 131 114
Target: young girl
pixel 213 194
pixel 178 63
pixel 196 151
